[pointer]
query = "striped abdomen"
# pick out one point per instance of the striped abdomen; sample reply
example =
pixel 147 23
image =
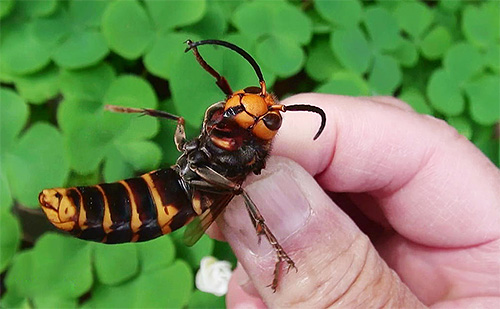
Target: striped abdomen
pixel 135 209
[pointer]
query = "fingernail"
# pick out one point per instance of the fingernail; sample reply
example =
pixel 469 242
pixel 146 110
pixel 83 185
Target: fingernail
pixel 278 196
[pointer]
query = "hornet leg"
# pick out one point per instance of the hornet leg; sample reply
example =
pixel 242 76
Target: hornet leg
pixel 262 229
pixel 216 180
pixel 180 132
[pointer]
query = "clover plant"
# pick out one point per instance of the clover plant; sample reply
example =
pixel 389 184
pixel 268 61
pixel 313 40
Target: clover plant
pixel 62 61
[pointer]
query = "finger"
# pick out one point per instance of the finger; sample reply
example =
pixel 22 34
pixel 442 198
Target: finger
pixel 237 296
pixel 462 273
pixel 336 263
pixel 429 181
pixel 391 101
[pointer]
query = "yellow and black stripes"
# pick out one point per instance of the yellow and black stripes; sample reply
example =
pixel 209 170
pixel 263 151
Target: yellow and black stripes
pixel 135 209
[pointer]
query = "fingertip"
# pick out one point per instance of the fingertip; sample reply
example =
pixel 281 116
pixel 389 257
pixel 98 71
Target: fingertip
pixel 298 136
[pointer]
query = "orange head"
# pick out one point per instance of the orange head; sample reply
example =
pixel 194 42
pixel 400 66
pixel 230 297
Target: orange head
pixel 254 110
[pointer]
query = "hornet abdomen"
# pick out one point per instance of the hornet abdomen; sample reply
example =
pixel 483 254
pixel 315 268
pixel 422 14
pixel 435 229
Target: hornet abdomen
pixel 135 209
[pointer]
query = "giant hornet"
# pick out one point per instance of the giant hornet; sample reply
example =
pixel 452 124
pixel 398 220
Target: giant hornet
pixel 235 141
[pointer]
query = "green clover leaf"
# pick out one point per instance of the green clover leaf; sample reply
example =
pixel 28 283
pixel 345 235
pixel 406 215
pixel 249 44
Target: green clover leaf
pixel 74 43
pixel 484 98
pixel 435 43
pixel 130 91
pixel 142 155
pixel 90 84
pixel 382 28
pixel 172 289
pixel 116 166
pixel 321 62
pixel 156 254
pixel 66 274
pixel 413 17
pixel 167 15
pixel 385 75
pixel 166 52
pixel 444 93
pixel 342 13
pixel 406 53
pixel 19 278
pixel 29 163
pixel 352 49
pixel 80 50
pixel 108 271
pixel 252 20
pixel 280 55
pixel 213 24
pixel 39 87
pixel 480 24
pixel 22 53
pixel 91 133
pixel 13 115
pixel 86 143
pixel 127 28
pixel 51 30
pixel 87 13
pixel 37 8
pixel 463 61
pixel 34 164
pixel 279 19
pixel 11 237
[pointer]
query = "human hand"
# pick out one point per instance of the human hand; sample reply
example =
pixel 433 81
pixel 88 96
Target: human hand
pixel 424 206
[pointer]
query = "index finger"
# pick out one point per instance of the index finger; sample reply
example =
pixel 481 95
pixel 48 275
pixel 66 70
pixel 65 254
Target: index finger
pixel 433 185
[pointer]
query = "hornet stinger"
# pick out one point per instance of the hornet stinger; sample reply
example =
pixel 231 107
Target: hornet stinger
pixel 235 141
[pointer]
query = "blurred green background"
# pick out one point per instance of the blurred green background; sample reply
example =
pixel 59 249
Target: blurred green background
pixel 61 61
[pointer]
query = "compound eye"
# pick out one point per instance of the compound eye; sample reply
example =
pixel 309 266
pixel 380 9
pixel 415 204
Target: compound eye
pixel 267 126
pixel 272 121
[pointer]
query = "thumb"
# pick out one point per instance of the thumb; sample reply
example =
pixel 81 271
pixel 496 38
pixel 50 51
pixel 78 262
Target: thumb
pixel 336 262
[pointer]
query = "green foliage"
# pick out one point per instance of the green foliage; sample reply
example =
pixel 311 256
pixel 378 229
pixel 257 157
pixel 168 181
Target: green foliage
pixel 9 242
pixel 201 300
pixel 62 61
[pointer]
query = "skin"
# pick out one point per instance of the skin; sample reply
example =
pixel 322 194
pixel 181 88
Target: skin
pixel 387 208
